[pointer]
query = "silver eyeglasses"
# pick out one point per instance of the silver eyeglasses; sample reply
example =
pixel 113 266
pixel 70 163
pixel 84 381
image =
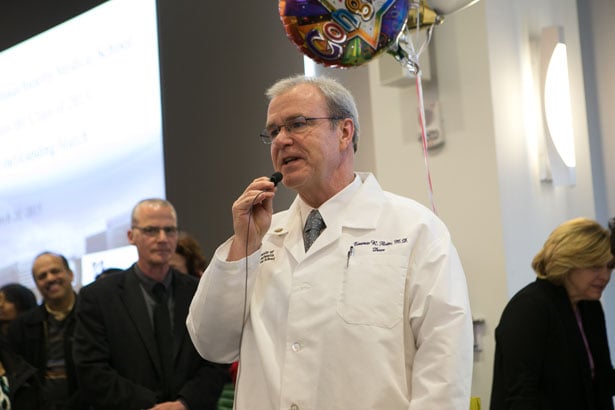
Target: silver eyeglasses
pixel 294 126
pixel 155 230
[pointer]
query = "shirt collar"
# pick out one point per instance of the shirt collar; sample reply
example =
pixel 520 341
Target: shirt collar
pixel 149 283
pixel 334 206
pixel 60 315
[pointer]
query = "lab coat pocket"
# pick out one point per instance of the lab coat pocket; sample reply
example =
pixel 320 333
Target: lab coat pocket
pixel 372 291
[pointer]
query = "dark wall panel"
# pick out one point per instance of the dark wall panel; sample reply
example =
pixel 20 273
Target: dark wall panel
pixel 217 60
pixel 22 19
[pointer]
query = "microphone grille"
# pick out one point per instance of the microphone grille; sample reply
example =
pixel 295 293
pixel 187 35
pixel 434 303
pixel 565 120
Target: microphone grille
pixel 276 177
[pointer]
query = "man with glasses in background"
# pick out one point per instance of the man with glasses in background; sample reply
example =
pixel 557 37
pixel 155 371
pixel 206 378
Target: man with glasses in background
pixel 353 298
pixel 132 349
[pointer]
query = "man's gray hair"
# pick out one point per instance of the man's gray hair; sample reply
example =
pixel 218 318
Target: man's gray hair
pixel 340 102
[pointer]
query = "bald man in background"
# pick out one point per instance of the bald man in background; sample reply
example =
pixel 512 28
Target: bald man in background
pixel 120 356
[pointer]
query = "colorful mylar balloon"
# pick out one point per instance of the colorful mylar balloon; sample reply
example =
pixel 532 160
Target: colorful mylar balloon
pixel 343 33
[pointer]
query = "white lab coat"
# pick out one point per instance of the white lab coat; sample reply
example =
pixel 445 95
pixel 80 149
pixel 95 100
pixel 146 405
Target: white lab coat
pixel 374 316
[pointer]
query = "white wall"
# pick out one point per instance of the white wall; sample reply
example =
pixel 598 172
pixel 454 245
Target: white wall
pixel 596 25
pixel 530 210
pixel 485 179
pixel 540 207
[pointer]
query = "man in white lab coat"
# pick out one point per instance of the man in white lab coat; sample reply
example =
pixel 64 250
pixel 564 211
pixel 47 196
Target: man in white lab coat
pixel 374 315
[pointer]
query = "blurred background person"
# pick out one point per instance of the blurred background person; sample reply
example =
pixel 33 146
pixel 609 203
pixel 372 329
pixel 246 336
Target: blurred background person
pixel 107 272
pixel 15 299
pixel 19 385
pixel 551 343
pixel 132 349
pixel 44 336
pixel 188 257
pixel 612 228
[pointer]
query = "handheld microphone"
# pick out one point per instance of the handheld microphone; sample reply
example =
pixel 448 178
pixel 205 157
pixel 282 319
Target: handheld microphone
pixel 276 177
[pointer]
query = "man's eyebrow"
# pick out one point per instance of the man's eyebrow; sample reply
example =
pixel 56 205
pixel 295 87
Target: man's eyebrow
pixel 284 121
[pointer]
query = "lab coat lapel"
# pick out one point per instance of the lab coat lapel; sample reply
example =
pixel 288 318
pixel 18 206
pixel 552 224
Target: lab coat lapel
pixel 285 233
pixel 362 212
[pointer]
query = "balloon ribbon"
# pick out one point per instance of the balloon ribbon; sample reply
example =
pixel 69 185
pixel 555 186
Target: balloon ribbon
pixel 419 92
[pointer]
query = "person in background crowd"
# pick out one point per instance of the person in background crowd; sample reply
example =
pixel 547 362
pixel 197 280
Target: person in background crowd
pixel 551 348
pixel 108 272
pixel 612 229
pixel 188 257
pixel 356 297
pixel 132 349
pixel 19 385
pixel 15 299
pixel 43 336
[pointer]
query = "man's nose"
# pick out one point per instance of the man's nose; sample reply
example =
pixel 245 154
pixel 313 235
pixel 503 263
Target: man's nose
pixel 284 137
pixel 162 235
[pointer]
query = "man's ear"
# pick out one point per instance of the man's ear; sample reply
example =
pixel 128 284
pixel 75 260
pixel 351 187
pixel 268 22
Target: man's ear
pixel 347 133
pixel 130 234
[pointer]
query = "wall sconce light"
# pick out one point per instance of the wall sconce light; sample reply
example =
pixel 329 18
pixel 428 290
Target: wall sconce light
pixel 556 106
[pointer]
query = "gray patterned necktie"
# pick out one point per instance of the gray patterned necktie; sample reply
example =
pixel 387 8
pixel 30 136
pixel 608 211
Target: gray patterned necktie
pixel 314 225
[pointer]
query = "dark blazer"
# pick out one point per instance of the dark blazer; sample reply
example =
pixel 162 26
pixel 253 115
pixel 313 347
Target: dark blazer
pixel 115 350
pixel 540 357
pixel 24 385
pixel 27 337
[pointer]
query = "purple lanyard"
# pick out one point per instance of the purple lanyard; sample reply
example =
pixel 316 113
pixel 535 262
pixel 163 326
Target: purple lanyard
pixel 589 353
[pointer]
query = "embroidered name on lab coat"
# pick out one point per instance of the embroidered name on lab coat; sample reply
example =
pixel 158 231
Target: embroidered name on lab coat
pixel 378 245
pixel 267 256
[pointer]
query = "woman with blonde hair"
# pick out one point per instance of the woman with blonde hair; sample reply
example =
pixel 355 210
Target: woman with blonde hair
pixel 552 350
